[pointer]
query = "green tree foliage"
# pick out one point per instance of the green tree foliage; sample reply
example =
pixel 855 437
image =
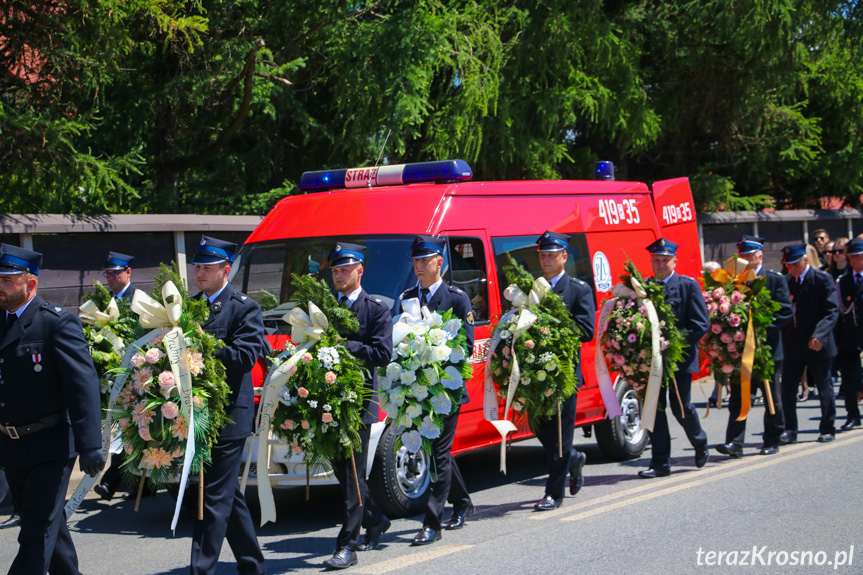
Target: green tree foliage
pixel 218 106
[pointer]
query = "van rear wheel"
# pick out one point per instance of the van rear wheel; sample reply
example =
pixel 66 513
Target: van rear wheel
pixel 399 480
pixel 622 438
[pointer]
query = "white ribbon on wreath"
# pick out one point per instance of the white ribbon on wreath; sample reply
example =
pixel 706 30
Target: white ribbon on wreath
pixel 526 318
pixel 306 331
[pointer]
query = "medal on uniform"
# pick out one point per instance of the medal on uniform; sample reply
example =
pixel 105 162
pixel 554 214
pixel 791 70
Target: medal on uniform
pixel 37 362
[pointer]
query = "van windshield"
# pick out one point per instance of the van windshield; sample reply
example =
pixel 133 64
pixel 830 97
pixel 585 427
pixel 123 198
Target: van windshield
pixel 263 270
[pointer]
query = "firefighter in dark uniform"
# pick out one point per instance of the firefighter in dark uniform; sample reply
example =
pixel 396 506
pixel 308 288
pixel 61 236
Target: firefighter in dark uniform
pixel 808 340
pixel 684 296
pixel 850 332
pixel 373 345
pixel 750 248
pixel 49 413
pixel 553 252
pixel 117 270
pixel 236 320
pixel 427 255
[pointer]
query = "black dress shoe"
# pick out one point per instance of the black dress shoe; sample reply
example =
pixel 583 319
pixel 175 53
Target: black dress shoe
pixel 341 559
pixel 712 401
pixel 663 471
pixel 787 438
pixel 458 517
pixel 426 536
pixel 732 450
pixel 13 521
pixel 825 438
pixel 769 449
pixel 104 491
pixel 548 503
pixel 850 424
pixel 701 457
pixel 576 478
pixel 373 535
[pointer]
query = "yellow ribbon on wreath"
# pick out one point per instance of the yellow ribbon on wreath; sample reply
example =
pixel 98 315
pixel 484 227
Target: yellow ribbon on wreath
pixel 736 272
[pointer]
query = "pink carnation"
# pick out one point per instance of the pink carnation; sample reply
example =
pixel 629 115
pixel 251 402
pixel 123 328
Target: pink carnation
pixel 288 424
pixel 127 447
pixel 303 392
pixel 327 418
pixel 330 377
pixel 140 415
pixel 724 308
pixel 725 337
pixel 712 307
pixel 544 330
pixel 727 368
pixel 170 410
pixel 724 299
pixel 739 335
pixel 178 428
pixel 549 392
pixel 716 328
pixel 296 448
pixel 529 344
pixel 736 297
pixel 718 292
pixel 506 351
pixel 144 432
pixel 305 424
pixel 137 360
pixel 734 320
pixel 153 355
pixel 618 359
pixel 307 357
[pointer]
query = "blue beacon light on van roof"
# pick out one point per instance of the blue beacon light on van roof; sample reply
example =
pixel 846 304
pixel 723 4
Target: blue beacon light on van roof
pixel 604 171
pixel 398 174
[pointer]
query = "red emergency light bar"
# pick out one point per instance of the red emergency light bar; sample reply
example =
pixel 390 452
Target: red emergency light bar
pixel 398 174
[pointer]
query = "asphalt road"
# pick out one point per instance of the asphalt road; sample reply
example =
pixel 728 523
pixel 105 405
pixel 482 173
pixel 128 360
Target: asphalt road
pixel 804 505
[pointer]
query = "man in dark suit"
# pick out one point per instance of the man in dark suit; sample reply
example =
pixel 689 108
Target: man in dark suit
pixel 750 249
pixel 431 291
pixel 118 273
pixel 552 249
pixel 808 340
pixel 117 270
pixel 236 320
pixel 849 332
pixel 49 413
pixel 684 296
pixel 373 345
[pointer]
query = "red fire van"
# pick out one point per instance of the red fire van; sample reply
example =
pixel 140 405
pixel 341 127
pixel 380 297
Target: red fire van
pixel 384 208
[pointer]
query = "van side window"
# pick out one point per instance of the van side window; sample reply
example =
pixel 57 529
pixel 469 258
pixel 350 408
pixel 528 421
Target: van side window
pixel 523 249
pixel 468 273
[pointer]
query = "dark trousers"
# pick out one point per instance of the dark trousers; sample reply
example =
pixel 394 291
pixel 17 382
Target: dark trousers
pixel 226 516
pixel 546 431
pixel 852 381
pixel 113 475
pixel 447 483
pixel 774 424
pixel 44 543
pixel 660 437
pixel 5 494
pixel 819 372
pixel 366 515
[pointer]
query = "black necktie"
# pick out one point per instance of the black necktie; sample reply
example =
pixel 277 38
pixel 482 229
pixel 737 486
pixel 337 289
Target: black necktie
pixel 344 302
pixel 857 277
pixel 424 299
pixel 11 318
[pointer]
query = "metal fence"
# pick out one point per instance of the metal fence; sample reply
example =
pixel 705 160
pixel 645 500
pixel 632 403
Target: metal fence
pixel 718 232
pixel 74 247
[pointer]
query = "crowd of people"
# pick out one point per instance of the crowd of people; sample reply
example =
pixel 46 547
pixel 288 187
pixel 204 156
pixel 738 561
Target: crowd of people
pixel 50 412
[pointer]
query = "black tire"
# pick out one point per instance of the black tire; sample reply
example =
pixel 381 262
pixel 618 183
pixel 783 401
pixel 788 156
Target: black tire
pixel 620 438
pixel 399 480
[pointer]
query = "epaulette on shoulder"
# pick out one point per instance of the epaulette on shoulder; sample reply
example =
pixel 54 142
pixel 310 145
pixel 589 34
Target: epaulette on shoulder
pixel 455 289
pixel 376 300
pixel 240 297
pixel 578 281
pixel 52 307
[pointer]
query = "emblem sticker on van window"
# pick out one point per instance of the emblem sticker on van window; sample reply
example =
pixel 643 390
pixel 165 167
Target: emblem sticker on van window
pixel 601 272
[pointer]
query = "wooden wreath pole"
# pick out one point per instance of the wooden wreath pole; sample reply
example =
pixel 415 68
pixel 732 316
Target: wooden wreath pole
pixel 356 478
pixel 307 479
pixel 140 489
pixel 201 492
pixel 559 434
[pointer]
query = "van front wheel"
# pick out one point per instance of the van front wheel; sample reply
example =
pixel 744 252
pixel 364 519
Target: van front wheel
pixel 399 480
pixel 622 438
